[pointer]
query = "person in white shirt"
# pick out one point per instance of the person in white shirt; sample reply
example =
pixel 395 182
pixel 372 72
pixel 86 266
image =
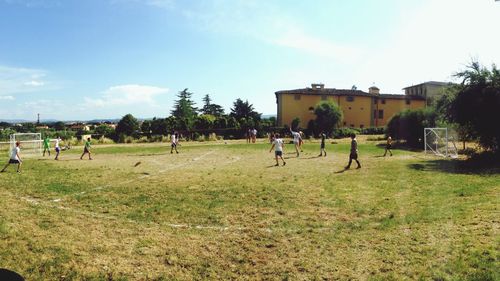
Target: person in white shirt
pixel 279 147
pixel 174 139
pixel 254 135
pixel 297 139
pixel 15 158
pixel 57 148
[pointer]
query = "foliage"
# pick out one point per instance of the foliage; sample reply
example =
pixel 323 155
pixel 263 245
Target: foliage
pixel 204 121
pixel 373 131
pixel 210 108
pixel 328 115
pixel 242 110
pixel 474 105
pixel 409 125
pixel 104 130
pixel 59 126
pixel 184 110
pixel 127 126
pixel 339 133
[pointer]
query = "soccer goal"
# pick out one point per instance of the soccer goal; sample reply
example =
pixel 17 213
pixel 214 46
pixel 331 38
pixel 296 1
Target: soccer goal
pixel 31 143
pixel 440 141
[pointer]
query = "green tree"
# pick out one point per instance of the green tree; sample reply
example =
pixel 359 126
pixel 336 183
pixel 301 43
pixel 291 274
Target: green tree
pixel 204 122
pixel 184 110
pixel 128 125
pixel 409 125
pixel 475 106
pixel 210 108
pixel 328 115
pixel 244 110
pixel 59 126
pixel 295 123
pixel 104 130
pixel 146 127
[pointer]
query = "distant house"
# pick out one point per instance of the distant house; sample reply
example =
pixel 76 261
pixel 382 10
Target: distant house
pixel 430 90
pixel 79 126
pixel 360 109
pixel 42 127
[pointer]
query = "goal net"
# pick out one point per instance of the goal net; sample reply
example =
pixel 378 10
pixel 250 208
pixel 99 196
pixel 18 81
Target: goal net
pixel 31 143
pixel 440 141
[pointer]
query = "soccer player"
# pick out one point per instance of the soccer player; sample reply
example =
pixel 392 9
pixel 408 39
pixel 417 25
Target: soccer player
pixel 297 139
pixel 254 135
pixel 279 147
pixel 15 158
pixel 322 146
pixel 46 145
pixel 354 152
pixel 86 149
pixel 174 140
pixel 57 148
pixel 388 146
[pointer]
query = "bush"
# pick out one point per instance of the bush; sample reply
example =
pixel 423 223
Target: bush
pixel 409 125
pixel 339 133
pixel 373 131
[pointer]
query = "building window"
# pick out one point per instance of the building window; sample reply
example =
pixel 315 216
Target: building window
pixel 383 101
pixel 408 101
pixel 345 123
pixel 352 125
pixel 381 114
pixel 375 101
pixel 323 97
pixel 361 126
pixel 296 97
pixel 349 108
pixel 349 98
pixel 311 109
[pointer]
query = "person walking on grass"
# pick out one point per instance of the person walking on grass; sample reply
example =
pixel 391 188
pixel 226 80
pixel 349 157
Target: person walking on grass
pixel 15 158
pixel 278 149
pixel 388 146
pixel 297 140
pixel 354 152
pixel 322 146
pixel 174 140
pixel 46 145
pixel 57 147
pixel 86 149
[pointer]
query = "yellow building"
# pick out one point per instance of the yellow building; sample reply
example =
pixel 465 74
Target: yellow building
pixel 360 109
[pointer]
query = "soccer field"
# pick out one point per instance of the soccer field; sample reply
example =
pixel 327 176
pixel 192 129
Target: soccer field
pixel 223 211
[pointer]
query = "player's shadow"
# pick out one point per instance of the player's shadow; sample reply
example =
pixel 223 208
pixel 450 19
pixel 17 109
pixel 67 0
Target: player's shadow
pixel 482 165
pixel 10 275
pixel 341 171
pixel 311 157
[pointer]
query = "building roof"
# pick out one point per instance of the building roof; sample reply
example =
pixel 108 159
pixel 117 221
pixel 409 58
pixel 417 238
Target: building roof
pixel 343 92
pixel 434 83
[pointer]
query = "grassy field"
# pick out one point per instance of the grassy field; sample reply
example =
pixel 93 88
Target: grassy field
pixel 222 211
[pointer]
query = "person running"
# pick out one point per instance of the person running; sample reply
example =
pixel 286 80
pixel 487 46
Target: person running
pixel 174 140
pixel 249 135
pixel 354 152
pixel 297 139
pixel 86 149
pixel 15 158
pixel 57 147
pixel 278 149
pixel 322 146
pixel 46 145
pixel 388 146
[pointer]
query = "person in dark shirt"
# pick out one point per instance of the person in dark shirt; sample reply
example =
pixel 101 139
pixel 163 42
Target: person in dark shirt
pixel 354 152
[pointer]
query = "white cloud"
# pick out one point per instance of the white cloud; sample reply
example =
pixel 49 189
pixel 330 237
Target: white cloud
pixel 6 98
pixel 15 80
pixel 123 95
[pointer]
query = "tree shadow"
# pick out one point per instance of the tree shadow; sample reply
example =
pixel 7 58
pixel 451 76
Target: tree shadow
pixel 400 146
pixel 481 165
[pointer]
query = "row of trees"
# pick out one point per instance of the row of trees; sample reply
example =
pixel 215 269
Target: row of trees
pixel 471 108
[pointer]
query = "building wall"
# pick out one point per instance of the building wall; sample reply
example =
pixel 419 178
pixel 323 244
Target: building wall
pixel 357 113
pixel 392 107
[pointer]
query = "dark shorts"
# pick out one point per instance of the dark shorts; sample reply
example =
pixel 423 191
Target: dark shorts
pixel 174 145
pixel 86 150
pixel 322 145
pixel 13 161
pixel 353 155
pixel 388 146
pixel 278 153
pixel 58 149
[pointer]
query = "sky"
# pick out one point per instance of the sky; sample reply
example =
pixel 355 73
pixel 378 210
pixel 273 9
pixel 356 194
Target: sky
pixel 93 59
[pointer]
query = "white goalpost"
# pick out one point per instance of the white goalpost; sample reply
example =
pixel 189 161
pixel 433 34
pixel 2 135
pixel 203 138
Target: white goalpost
pixel 440 141
pixel 31 143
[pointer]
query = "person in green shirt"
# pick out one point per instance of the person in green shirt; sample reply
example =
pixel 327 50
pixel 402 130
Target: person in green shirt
pixel 46 145
pixel 86 149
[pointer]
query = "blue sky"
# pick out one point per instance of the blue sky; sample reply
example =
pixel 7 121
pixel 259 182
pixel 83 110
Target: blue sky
pixel 75 59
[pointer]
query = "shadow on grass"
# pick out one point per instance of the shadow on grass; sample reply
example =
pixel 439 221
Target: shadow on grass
pixel 487 164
